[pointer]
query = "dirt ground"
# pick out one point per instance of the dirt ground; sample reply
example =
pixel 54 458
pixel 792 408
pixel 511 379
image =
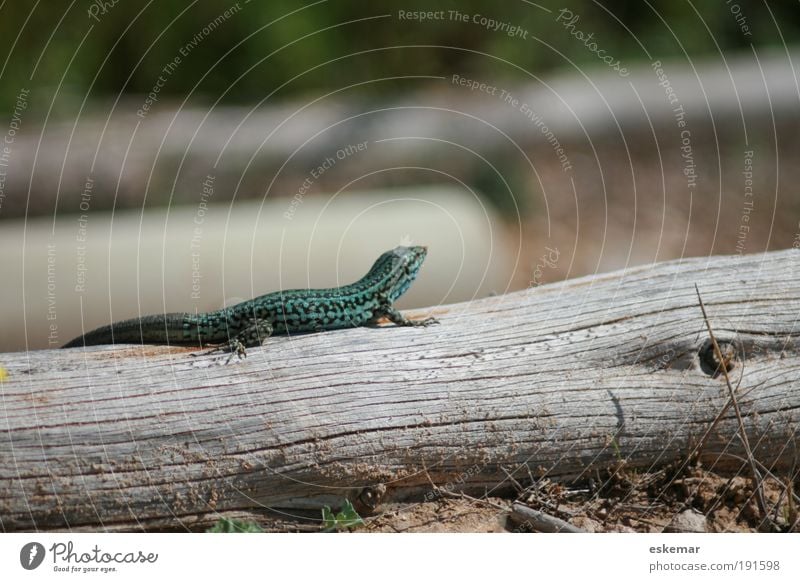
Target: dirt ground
pixel 680 498
pixel 691 500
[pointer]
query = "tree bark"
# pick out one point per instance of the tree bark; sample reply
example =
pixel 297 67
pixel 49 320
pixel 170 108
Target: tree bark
pixel 559 381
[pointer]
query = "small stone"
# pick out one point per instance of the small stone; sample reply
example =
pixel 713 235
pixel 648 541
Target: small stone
pixel 590 525
pixel 688 521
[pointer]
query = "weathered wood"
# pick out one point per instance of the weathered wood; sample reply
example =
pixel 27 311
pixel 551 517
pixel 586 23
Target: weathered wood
pixel 565 379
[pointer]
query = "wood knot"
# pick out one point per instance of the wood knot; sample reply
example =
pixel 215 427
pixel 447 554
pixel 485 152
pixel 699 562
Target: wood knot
pixel 710 362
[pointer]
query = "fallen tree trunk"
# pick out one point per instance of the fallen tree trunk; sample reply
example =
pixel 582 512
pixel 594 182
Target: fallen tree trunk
pixel 559 380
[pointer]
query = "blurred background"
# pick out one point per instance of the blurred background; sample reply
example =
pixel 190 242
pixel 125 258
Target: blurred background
pixel 174 156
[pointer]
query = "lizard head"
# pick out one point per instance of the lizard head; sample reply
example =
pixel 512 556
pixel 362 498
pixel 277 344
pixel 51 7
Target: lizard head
pixel 399 268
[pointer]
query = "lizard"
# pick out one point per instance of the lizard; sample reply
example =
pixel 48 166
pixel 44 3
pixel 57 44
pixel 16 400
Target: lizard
pixel 250 323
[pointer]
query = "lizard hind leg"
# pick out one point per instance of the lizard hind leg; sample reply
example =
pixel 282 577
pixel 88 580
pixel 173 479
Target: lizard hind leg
pixel 398 318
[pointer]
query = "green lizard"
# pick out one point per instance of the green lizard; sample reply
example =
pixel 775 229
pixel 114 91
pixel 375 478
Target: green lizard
pixel 250 323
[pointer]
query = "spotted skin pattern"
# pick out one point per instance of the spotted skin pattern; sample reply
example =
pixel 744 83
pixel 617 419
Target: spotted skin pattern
pixel 250 323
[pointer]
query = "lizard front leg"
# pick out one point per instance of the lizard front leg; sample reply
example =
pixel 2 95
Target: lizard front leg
pixel 386 309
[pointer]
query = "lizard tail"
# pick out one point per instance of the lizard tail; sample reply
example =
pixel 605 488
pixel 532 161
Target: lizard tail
pixel 179 328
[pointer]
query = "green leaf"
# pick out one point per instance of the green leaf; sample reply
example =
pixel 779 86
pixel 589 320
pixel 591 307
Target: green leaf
pixel 347 518
pixel 328 519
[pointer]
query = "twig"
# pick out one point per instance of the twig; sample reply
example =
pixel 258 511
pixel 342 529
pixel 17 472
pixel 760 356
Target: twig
pixel 460 495
pixel 762 505
pixel 767 473
pixel 517 486
pixel 791 509
pixel 541 521
pixel 704 439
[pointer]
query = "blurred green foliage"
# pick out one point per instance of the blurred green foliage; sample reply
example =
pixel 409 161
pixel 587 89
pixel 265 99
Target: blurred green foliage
pixel 283 47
